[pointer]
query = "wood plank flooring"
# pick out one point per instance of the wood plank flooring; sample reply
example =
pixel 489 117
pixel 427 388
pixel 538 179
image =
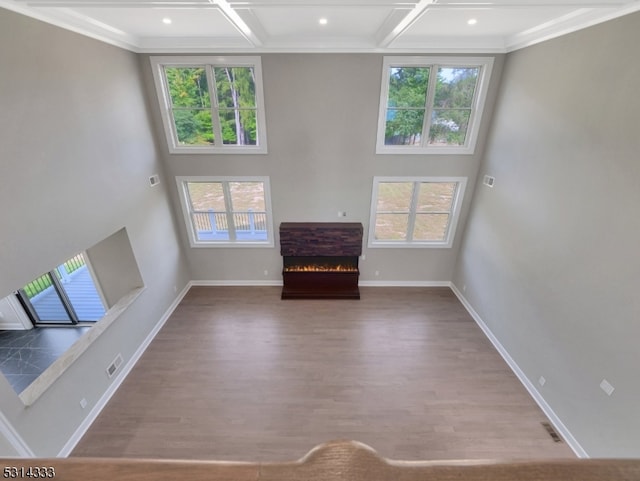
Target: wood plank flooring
pixel 238 374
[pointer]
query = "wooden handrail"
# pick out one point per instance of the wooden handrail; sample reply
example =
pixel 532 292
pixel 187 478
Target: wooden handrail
pixel 333 461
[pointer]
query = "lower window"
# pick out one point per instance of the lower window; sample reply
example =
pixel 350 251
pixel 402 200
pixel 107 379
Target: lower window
pixel 415 211
pixel 224 211
pixel 65 295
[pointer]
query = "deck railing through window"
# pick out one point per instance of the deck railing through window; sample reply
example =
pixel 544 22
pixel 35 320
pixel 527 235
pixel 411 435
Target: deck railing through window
pixel 211 222
pixel 43 282
pixel 38 285
pixel 75 263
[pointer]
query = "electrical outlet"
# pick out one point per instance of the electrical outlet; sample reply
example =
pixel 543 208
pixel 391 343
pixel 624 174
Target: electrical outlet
pixel 542 380
pixel 489 181
pixel 464 288
pixel 83 403
pixel 377 273
pixel 266 272
pixel 342 213
pixel 363 257
pixel 606 387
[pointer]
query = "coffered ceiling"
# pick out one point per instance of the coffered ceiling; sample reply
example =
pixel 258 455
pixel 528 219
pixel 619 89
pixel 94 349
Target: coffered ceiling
pixel 323 25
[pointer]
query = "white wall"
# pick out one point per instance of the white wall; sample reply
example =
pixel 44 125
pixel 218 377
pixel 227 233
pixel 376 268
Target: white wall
pixel 549 258
pixel 10 318
pixel 321 112
pixel 115 267
pixel 76 154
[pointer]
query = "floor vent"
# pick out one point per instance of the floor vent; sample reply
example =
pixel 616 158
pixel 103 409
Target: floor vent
pixel 113 367
pixel 552 432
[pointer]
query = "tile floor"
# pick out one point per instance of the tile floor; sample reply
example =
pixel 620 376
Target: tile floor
pixel 24 355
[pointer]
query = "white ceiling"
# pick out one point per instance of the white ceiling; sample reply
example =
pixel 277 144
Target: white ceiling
pixel 351 25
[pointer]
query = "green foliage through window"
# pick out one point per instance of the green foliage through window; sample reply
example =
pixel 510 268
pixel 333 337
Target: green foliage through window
pixel 406 105
pixel 452 105
pixel 416 108
pixel 228 108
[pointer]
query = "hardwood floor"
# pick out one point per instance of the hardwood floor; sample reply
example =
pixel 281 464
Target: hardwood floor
pixel 238 374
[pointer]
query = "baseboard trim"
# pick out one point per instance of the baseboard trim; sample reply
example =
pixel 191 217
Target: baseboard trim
pixel 278 283
pixel 240 283
pixel 12 326
pixel 104 399
pixel 404 283
pixel 571 441
pixel 14 438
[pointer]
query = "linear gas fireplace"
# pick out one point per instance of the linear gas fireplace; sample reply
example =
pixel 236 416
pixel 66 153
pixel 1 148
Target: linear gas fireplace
pixel 320 260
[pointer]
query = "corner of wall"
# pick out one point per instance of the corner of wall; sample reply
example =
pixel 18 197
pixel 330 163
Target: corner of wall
pixel 571 441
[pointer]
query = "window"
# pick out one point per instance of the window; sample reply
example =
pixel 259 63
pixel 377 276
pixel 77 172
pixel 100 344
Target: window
pixel 211 104
pixel 415 211
pixel 431 104
pixel 64 295
pixel 224 211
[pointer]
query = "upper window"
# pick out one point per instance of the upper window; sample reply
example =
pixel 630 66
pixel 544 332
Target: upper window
pixel 431 104
pixel 415 211
pixel 211 104
pixel 227 211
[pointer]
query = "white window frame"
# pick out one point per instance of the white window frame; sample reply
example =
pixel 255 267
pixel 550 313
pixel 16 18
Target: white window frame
pixel 164 98
pixel 454 213
pixel 186 210
pixel 484 63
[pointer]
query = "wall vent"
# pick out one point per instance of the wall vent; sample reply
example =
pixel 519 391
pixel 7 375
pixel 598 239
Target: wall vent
pixel 113 367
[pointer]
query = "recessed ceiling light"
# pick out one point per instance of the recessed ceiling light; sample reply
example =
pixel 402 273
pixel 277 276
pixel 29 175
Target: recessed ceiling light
pixel 323 21
pixel 472 21
pixel 166 20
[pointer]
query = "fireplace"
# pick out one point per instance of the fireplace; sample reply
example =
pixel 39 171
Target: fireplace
pixel 320 260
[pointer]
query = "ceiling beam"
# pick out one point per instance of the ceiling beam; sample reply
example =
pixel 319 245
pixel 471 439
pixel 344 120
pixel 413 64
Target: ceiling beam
pixel 389 32
pixel 527 5
pixel 251 20
pixel 321 3
pixel 245 30
pixel 116 3
pixel 236 4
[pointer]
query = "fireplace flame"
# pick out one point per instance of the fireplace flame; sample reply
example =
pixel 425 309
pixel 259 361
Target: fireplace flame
pixel 321 268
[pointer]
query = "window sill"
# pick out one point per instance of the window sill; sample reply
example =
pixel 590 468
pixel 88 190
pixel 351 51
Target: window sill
pixel 409 245
pixel 244 150
pixel 55 370
pixel 411 150
pixel 206 245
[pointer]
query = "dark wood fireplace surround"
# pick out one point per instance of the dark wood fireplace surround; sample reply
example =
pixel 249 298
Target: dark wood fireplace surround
pixel 320 259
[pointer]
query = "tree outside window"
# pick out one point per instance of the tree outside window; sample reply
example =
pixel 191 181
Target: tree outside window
pixel 212 105
pixel 431 105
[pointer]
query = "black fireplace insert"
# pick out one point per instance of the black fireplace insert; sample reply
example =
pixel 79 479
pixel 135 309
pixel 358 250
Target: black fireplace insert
pixel 320 260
